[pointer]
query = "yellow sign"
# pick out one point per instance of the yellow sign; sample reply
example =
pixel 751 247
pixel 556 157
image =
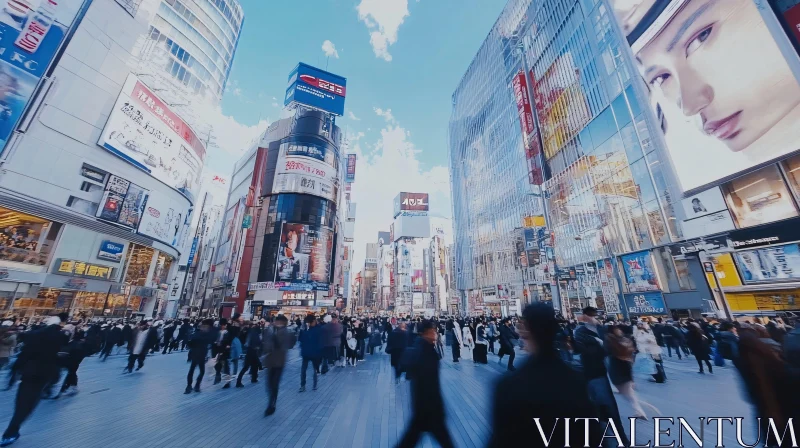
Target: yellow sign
pixel 726 271
pixel 83 269
pixel 533 221
pixel 764 301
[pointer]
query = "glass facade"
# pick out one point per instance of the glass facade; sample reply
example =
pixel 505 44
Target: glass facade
pixel 194 43
pixel 492 190
pixel 614 222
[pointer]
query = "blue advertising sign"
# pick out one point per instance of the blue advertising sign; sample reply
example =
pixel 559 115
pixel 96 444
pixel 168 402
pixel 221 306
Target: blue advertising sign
pixel 111 251
pixel 646 303
pixel 30 35
pixel 639 272
pixel 316 88
pixel 192 252
pixel 531 246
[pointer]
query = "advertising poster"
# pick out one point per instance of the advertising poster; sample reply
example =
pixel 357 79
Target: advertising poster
pixel 769 263
pixel 111 251
pixel 300 174
pixel 651 303
pixel 305 255
pixel 725 96
pixel 316 88
pixel 350 174
pixel 411 202
pixel 639 272
pixel 706 214
pixel 122 202
pixel 163 219
pixel 146 133
pixel 32 31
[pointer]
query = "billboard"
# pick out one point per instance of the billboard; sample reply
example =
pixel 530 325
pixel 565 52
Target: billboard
pixel 323 153
pixel 146 133
pixel 411 202
pixel 316 88
pixel 706 214
pixel 696 56
pixel 640 275
pixel 769 263
pixel 350 174
pixel 301 174
pixel 163 218
pixel 305 255
pixel 32 32
pixel 122 202
pixel 412 226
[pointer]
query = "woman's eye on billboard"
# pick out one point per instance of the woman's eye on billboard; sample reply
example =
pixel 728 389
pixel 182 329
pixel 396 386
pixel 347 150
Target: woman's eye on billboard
pixel 721 80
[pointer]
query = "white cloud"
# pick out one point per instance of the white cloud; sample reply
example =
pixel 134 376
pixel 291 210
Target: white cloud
pixel 275 104
pixel 382 171
pixel 237 91
pixel 386 114
pixel 352 116
pixel 383 19
pixel 330 49
pixel 230 138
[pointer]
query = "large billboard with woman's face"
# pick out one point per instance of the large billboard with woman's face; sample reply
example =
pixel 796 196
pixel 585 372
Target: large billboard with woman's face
pixel 721 88
pixel 304 257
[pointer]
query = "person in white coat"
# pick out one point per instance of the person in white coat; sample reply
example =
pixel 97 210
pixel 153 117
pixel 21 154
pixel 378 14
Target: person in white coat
pixel 648 347
pixel 469 343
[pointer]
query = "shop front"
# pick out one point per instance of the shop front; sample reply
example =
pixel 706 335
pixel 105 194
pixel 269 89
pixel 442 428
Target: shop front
pixel 80 297
pixel 761 277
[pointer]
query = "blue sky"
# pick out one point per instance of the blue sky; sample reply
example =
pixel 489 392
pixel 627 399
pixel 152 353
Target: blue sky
pixel 402 60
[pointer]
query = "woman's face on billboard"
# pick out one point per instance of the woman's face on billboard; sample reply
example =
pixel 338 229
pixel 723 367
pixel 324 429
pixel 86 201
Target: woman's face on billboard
pixel 717 60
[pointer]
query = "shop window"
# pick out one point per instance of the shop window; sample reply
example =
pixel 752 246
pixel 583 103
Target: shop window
pixel 138 265
pixel 26 238
pixel 792 169
pixel 759 197
pixel 163 265
pixel 685 280
pixel 768 264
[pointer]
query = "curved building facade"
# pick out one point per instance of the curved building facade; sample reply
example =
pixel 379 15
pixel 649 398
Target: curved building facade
pixel 287 189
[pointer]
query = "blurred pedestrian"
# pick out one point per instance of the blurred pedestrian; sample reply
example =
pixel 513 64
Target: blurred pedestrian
pixel 40 367
pixel 396 347
pixel 545 388
pixel 508 338
pixel 198 343
pixel 143 340
pixel 700 345
pixel 276 342
pixel 481 344
pixel 310 350
pixel 620 365
pixel 427 404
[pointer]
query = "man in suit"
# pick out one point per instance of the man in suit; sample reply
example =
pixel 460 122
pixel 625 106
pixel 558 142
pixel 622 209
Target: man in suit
pixel 144 338
pixel 427 405
pixel 396 347
pixel 508 336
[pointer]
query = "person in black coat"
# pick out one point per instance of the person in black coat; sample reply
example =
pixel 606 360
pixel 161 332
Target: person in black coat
pixel 183 333
pixel 427 404
pixel 545 388
pixel 41 366
pixel 198 344
pixel 396 347
pixel 589 343
pixel 700 345
pixel 127 335
pixel 508 337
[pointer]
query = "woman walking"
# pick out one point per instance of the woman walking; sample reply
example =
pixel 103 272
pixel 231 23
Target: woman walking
pixel 469 342
pixel 621 369
pixel 700 346
pixel 351 352
pixel 648 346
pixel 481 344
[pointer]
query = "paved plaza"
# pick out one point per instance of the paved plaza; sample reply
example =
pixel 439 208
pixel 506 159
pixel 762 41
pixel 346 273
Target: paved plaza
pixel 353 407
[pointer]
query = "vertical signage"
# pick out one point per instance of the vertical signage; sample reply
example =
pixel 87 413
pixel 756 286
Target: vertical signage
pixel 350 174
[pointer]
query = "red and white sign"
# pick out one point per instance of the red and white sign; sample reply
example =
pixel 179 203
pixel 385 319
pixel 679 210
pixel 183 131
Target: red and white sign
pixel 324 85
pixel 144 131
pixel 299 174
pixel 36 25
pixel 523 103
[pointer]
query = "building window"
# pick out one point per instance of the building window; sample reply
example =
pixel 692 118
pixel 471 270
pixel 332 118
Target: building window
pixel 130 5
pixel 759 197
pixel 685 280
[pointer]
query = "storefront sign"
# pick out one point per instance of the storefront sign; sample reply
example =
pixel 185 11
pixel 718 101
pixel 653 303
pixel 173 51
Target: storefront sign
pixel 646 303
pixel 776 233
pixel 83 269
pixel 247 222
pixel 325 302
pixel 695 246
pixel 111 251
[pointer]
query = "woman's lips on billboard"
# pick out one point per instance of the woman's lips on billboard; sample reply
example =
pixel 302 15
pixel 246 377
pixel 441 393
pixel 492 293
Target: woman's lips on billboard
pixel 723 129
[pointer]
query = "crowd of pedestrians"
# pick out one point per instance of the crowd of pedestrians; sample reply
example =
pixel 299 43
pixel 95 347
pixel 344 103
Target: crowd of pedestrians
pixel 573 369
